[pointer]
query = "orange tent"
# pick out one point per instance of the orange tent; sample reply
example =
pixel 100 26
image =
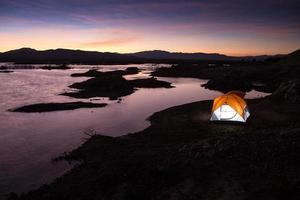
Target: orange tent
pixel 230 107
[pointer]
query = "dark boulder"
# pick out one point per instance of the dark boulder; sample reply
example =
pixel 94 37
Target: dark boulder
pixel 288 91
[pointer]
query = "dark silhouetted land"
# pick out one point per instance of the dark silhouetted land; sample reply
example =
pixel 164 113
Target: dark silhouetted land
pixel 6 71
pixel 28 55
pixel 263 76
pixel 96 73
pixel 112 84
pixel 183 155
pixel 47 107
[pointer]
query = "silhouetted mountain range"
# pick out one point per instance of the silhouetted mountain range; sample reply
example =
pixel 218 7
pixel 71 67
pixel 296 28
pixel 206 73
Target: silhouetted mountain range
pixel 291 59
pixel 28 55
pixel 158 54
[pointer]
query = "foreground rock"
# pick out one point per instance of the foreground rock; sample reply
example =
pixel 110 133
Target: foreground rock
pixel 111 84
pixel 184 156
pixel 47 107
pixel 288 91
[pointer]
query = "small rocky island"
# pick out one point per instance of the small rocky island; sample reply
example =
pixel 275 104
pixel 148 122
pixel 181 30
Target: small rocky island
pixel 57 67
pixel 103 84
pixel 6 71
pixel 96 73
pixel 112 84
pixel 47 107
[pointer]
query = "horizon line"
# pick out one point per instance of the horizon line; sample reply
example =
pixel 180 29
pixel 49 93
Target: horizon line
pixel 230 55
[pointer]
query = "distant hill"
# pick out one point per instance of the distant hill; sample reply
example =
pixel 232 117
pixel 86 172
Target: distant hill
pixel 291 59
pixel 158 54
pixel 28 55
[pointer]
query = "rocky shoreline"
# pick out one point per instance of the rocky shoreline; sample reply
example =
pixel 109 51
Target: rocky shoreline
pixel 182 155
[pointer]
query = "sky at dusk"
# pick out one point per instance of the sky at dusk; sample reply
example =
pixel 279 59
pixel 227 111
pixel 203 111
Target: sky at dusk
pixel 232 27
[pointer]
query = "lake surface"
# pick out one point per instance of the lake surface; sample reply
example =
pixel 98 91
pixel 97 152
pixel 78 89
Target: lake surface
pixel 28 141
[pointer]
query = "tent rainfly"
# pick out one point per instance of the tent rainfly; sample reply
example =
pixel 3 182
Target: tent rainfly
pixel 230 107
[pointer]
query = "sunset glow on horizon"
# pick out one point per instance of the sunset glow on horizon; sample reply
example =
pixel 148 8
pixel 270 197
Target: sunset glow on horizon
pixel 228 27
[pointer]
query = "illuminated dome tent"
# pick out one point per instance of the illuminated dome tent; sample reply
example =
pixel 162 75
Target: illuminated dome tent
pixel 230 107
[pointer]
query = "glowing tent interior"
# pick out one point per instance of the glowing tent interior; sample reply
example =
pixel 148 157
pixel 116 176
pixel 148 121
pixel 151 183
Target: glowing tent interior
pixel 230 107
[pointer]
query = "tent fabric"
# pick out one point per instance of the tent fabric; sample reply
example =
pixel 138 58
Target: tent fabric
pixel 232 99
pixel 231 106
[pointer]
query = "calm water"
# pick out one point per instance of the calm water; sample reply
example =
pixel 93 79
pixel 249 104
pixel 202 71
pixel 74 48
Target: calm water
pixel 28 141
